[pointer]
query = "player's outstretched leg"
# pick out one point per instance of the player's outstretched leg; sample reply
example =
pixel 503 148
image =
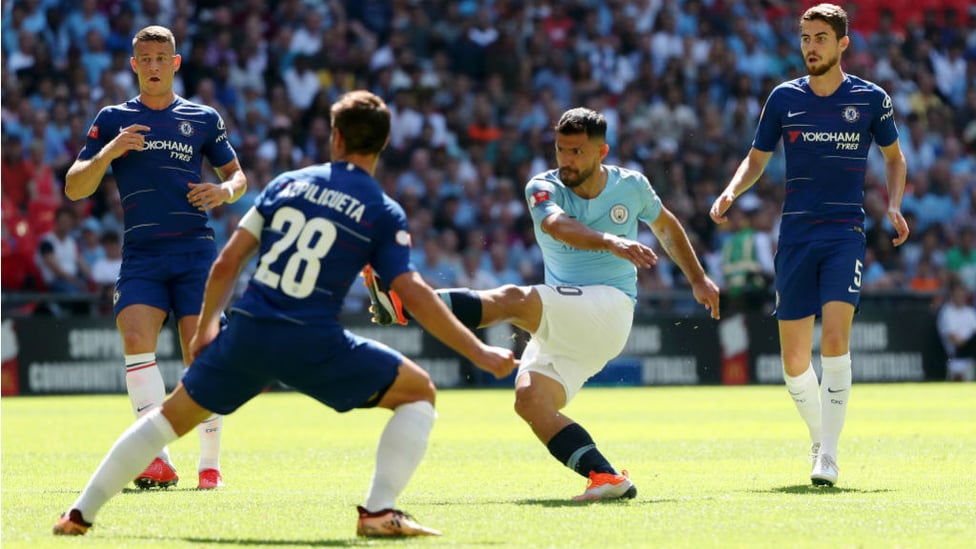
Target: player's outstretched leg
pixel 137 445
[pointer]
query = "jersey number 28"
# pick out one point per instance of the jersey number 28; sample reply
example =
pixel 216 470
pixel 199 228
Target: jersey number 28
pixel 307 241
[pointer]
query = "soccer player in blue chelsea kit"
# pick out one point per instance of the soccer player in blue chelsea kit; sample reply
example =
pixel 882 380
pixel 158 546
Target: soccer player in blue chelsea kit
pixel 155 145
pixel 313 231
pixel 586 217
pixel 827 121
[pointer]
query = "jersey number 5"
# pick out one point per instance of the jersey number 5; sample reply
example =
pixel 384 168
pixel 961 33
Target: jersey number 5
pixel 307 242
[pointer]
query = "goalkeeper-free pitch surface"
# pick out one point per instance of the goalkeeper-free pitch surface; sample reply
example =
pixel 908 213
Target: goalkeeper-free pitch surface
pixel 715 467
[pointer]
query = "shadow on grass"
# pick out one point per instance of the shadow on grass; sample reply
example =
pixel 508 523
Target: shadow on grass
pixel 358 542
pixel 282 542
pixel 571 503
pixel 805 489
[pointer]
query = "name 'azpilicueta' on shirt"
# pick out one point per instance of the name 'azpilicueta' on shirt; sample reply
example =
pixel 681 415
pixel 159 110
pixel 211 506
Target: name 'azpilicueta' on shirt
pixel 339 201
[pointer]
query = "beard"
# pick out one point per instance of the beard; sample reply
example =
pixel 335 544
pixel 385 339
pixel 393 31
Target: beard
pixel 819 70
pixel 573 178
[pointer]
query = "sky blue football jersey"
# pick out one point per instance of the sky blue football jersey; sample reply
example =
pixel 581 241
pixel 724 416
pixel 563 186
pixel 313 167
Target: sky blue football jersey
pixel 627 199
pixel 153 182
pixel 319 226
pixel 826 142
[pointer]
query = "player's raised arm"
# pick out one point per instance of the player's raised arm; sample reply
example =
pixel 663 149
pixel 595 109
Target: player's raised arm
pixel 84 176
pixel 674 240
pixel 749 170
pixel 428 309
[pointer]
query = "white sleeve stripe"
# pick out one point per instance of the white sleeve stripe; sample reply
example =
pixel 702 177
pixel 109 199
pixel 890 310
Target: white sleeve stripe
pixel 252 222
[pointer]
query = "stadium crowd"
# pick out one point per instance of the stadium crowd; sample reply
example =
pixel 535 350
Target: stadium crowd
pixel 475 86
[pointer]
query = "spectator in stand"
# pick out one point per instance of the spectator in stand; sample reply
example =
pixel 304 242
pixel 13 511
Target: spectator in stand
pixel 435 268
pixel 472 275
pixel 927 278
pixel 15 171
pixel 105 270
pixel 961 257
pixel 747 261
pixel 59 257
pixel 694 47
pixel 957 328
pixel 89 236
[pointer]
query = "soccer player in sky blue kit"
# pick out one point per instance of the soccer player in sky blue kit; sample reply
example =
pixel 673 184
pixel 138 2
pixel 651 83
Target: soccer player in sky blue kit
pixel 155 145
pixel 827 121
pixel 586 216
pixel 313 231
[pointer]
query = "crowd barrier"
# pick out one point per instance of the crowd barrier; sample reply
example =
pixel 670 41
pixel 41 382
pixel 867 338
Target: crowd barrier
pixel 50 355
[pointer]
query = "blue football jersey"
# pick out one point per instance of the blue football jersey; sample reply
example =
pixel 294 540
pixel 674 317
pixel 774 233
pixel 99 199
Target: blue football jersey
pixel 826 142
pixel 318 227
pixel 626 199
pixel 153 182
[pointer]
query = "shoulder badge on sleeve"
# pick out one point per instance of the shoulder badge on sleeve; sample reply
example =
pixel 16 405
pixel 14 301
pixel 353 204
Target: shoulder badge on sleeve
pixel 539 197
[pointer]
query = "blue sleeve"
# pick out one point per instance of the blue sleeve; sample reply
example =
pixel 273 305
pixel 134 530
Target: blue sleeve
pixel 218 149
pixel 103 129
pixel 542 197
pixel 770 124
pixel 883 126
pixel 651 201
pixel 391 256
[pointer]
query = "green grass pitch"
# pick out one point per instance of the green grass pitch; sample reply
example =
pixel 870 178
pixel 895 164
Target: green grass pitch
pixel 715 467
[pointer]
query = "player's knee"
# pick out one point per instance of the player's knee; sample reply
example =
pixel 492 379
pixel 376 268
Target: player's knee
pixel 135 341
pixel 529 402
pixel 510 299
pixel 833 343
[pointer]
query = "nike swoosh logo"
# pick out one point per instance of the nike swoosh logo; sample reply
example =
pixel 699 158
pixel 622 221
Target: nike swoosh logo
pixel 141 408
pixel 852 290
pixel 791 114
pixel 796 393
pixel 829 390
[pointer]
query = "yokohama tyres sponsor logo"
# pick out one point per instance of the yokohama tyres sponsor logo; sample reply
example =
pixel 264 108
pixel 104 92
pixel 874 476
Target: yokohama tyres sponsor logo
pixel 825 137
pixel 166 145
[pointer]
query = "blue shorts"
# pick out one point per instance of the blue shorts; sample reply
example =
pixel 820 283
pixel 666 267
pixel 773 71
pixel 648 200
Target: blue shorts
pixel 171 282
pixel 330 364
pixel 810 274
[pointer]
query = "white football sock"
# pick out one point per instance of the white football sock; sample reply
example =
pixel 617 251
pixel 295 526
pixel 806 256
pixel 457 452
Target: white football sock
pixel 401 448
pixel 145 386
pixel 130 455
pixel 835 391
pixel 210 431
pixel 806 396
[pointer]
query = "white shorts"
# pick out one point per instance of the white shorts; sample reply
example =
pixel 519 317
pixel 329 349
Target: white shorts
pixel 582 328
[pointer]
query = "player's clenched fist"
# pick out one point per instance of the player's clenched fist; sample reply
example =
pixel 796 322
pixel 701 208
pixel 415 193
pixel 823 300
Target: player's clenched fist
pixel 498 361
pixel 720 206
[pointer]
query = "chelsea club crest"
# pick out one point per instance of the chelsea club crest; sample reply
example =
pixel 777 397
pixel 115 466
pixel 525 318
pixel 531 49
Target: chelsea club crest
pixel 186 128
pixel 851 114
pixel 619 214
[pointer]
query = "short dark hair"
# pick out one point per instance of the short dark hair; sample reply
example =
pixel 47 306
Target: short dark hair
pixel 110 237
pixel 832 14
pixel 582 120
pixel 154 33
pixel 363 119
